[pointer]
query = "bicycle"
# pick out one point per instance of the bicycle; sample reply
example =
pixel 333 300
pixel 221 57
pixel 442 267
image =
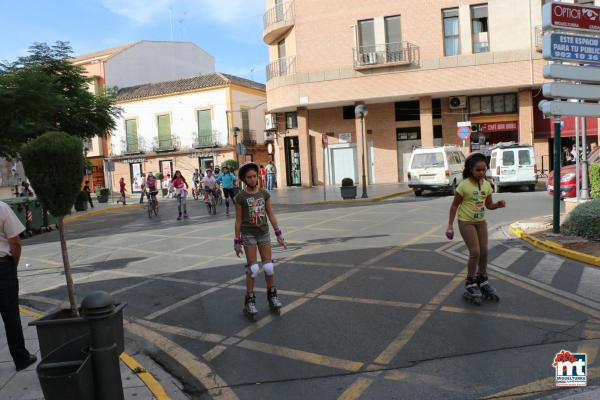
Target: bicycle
pixel 211 204
pixel 152 205
pixel 218 196
pixel 196 191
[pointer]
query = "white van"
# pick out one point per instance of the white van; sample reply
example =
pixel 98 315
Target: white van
pixel 512 164
pixel 436 168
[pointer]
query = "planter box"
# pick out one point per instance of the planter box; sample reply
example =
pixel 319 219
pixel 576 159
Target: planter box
pixel 348 192
pixel 58 327
pixel 103 196
pixel 81 206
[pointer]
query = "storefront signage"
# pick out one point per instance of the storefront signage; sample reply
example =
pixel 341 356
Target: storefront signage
pixel 579 48
pixel 345 137
pixel 463 124
pixel 571 16
pixel 508 126
pixel 133 160
pixel 202 155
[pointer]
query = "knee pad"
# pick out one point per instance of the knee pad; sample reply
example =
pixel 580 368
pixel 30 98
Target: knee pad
pixel 269 268
pixel 252 270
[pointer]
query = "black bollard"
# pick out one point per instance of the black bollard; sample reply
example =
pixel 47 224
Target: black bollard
pixel 97 308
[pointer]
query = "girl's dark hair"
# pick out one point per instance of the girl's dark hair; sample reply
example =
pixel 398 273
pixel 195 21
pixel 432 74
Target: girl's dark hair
pixel 470 163
pixel 245 168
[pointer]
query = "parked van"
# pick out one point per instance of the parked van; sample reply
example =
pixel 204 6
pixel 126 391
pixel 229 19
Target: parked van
pixel 512 164
pixel 435 168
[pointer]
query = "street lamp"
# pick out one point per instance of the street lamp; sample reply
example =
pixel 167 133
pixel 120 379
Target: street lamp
pixel 235 130
pixel 361 111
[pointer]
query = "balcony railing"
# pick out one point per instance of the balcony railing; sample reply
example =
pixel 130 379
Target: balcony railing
pixel 539 38
pixel 132 146
pixel 206 138
pixel 281 67
pixel 277 20
pixel 383 55
pixel 248 137
pixel 165 144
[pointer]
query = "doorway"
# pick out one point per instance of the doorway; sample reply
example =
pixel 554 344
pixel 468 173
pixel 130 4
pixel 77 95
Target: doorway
pixel 343 163
pixel 292 161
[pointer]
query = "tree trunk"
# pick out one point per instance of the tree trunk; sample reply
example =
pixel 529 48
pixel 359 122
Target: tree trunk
pixel 67 267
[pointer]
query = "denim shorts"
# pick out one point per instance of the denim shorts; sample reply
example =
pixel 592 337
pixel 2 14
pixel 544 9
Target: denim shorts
pixel 256 239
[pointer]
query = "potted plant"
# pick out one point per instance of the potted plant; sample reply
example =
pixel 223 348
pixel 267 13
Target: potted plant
pixel 348 189
pixel 102 194
pixel 159 176
pixel 81 201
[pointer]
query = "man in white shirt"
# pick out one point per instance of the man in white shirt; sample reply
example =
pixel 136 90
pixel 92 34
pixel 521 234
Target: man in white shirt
pixel 10 254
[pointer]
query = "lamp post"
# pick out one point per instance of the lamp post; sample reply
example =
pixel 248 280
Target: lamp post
pixel 361 111
pixel 235 130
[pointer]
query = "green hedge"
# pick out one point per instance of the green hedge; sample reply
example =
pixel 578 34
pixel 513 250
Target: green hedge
pixel 595 179
pixel 584 220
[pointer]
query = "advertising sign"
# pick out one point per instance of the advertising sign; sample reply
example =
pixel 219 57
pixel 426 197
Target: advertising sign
pixel 508 126
pixel 571 16
pixel 576 48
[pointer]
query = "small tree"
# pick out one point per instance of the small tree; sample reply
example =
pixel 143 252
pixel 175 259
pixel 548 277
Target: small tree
pixel 54 164
pixel 231 164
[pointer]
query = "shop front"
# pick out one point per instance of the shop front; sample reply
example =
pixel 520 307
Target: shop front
pixel 487 134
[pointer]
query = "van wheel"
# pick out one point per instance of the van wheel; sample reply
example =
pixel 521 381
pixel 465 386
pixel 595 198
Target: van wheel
pixel 532 188
pixel 497 189
pixel 418 192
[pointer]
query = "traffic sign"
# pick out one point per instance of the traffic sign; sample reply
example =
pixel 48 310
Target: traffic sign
pixel 558 108
pixel 567 47
pixel 571 91
pixel 463 124
pixel 572 73
pixel 571 16
pixel 464 132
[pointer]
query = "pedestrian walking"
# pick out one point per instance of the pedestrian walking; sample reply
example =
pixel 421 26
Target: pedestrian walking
pixel 143 186
pixel 10 254
pixel 122 190
pixel 271 171
pixel 252 209
pixel 263 176
pixel 180 186
pixel 88 192
pixel 473 196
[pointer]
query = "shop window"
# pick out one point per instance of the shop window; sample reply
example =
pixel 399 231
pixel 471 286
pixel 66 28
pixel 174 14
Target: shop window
pixel 407 111
pixel 348 112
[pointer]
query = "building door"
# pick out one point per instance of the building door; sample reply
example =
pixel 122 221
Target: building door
pixel 407 139
pixel 371 163
pixel 343 163
pixel 292 161
pixel 205 163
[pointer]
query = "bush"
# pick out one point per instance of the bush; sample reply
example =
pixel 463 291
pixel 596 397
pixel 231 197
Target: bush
pixel 347 182
pixel 584 221
pixel 159 176
pixel 595 179
pixel 231 164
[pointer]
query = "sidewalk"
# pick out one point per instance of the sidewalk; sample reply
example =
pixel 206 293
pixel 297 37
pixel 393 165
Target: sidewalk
pixel 25 385
pixel 299 195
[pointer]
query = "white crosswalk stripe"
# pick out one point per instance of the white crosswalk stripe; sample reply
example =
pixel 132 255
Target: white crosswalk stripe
pixel 506 259
pixel 546 268
pixel 589 284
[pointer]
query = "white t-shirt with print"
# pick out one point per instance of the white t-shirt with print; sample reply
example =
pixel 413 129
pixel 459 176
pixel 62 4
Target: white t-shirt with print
pixel 10 226
pixel 209 183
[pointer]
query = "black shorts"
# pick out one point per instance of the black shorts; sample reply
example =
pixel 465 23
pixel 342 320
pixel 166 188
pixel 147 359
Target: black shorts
pixel 229 193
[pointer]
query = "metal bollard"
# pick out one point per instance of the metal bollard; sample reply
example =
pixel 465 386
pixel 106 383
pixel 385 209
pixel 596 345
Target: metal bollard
pixel 97 307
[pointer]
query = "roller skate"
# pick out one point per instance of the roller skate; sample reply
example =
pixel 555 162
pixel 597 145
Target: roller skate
pixel 274 302
pixel 487 291
pixel 250 309
pixel 472 292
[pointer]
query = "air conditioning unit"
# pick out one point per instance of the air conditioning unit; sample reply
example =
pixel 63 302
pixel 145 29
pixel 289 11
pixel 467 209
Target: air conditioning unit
pixel 458 102
pixel 270 122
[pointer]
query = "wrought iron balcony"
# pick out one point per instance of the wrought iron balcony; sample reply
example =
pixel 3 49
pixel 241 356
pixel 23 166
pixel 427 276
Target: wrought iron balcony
pixel 206 138
pixel 132 146
pixel 277 21
pixel 281 67
pixel 248 137
pixel 165 144
pixel 385 55
pixel 539 38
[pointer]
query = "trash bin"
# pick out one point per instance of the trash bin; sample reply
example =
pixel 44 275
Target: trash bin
pixel 19 205
pixel 67 372
pixel 50 221
pixel 37 217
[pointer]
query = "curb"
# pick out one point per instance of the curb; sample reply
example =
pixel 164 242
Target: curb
pixel 151 383
pixel 370 200
pixel 102 211
pixel 556 248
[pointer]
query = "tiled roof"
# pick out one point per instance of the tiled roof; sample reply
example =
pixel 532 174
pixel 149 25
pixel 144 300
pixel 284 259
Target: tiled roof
pixel 185 85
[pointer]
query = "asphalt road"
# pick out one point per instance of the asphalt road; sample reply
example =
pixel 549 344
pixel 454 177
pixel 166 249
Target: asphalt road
pixel 372 294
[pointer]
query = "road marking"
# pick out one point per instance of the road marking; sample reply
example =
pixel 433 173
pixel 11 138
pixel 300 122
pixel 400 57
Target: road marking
pixel 546 268
pixel 423 379
pixel 590 349
pixel 42 299
pixel 356 389
pixel 589 284
pixel 509 257
pixel 214 384
pixel 180 331
pixel 299 355
pixel 214 352
pixel 399 304
pixel 516 317
pixel 181 303
pixel 414 271
pixel 264 321
pixel 155 388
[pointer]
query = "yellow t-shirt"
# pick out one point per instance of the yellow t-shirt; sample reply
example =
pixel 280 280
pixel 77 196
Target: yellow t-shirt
pixel 472 207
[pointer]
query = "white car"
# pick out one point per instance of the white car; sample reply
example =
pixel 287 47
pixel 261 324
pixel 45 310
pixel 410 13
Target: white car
pixel 436 168
pixel 512 164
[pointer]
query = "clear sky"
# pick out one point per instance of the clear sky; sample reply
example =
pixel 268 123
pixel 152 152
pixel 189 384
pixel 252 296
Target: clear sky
pixel 230 30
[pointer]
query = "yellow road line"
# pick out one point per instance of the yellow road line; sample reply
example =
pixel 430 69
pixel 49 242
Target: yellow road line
pixel 449 288
pixel 214 384
pixel 516 317
pixel 181 303
pixel 29 312
pixel 264 321
pixel 102 211
pixel 589 348
pixel 415 271
pixel 299 355
pixel 423 379
pixel 400 304
pixel 356 389
pixel 180 331
pixel 156 388
pixel 214 352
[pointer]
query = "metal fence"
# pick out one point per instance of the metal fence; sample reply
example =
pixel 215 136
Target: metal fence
pixel 281 67
pixel 279 13
pixel 386 54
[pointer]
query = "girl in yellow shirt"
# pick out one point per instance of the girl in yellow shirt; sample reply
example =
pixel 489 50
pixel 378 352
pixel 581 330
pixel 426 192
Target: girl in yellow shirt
pixel 473 196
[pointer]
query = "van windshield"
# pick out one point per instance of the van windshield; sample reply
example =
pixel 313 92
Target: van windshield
pixel 428 160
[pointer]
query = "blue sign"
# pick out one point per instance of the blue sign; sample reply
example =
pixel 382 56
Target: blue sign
pixel 464 132
pixel 577 48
